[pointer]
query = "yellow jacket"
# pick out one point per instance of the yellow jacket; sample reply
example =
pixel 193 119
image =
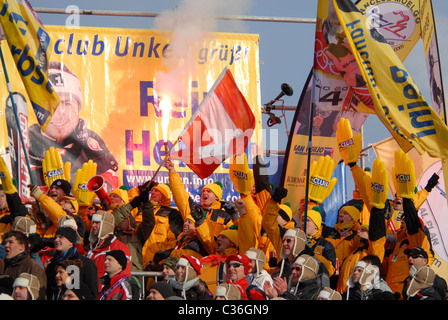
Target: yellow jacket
pixel 375 245
pixel 396 266
pixel 215 221
pixel 344 243
pixel 271 227
pixel 4 227
pixel 249 227
pixel 53 210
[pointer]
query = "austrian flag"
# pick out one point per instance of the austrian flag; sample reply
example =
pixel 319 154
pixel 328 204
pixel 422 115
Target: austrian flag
pixel 222 126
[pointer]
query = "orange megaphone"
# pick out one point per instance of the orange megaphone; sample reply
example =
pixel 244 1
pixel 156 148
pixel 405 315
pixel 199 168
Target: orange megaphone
pixel 96 184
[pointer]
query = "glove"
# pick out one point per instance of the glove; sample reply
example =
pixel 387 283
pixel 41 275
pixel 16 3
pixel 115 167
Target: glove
pixel 404 175
pixel 230 208
pixel 321 183
pixel 136 202
pixel 377 184
pixel 432 182
pixel 261 177
pixel 197 213
pixel 349 147
pixel 144 195
pixel 37 242
pixel 83 174
pixel 53 167
pixel 7 184
pixel 279 194
pixel 240 174
pixel 147 186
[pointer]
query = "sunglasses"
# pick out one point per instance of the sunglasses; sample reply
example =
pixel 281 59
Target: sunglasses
pixel 415 256
pixel 288 240
pixel 235 265
pixel 297 269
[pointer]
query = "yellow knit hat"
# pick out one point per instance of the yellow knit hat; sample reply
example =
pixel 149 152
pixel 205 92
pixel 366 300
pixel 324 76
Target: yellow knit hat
pixel 123 194
pixel 287 210
pixel 215 188
pixel 72 201
pixel 353 211
pixel 232 234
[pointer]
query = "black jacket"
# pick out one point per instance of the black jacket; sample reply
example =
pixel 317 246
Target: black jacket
pixel 88 272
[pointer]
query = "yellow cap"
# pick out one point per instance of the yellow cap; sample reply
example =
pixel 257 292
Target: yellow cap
pixel 315 216
pixel 73 202
pixel 232 234
pixel 353 211
pixel 123 194
pixel 164 189
pixel 287 210
pixel 215 188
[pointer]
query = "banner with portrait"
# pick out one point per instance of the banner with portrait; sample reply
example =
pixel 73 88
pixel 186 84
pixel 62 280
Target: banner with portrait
pixel 110 109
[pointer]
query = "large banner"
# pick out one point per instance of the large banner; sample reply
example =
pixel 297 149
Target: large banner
pixel 30 47
pixel 395 96
pixel 110 110
pixel 324 142
pixel 340 90
pixel 431 49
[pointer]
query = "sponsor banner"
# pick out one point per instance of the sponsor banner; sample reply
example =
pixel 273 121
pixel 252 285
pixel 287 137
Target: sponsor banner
pixel 30 47
pixel 324 142
pixel 431 49
pixel 111 111
pixel 397 99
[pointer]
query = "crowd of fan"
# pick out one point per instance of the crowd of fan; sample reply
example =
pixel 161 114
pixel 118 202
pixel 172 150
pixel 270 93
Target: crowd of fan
pixel 79 245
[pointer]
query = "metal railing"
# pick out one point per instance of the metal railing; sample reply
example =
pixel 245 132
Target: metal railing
pixel 144 275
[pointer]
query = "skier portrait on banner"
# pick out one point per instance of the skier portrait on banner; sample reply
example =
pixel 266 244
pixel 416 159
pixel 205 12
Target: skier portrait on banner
pixel 68 132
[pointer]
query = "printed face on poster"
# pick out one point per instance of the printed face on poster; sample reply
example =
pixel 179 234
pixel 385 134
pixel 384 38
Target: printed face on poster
pixel 111 83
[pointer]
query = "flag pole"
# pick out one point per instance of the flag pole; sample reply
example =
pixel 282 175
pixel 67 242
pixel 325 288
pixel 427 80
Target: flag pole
pixel 161 164
pixel 8 86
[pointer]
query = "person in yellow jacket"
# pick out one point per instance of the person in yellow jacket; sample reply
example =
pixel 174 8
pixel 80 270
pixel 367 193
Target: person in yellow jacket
pixel 251 206
pixel 187 243
pixel 55 211
pixel 343 235
pixel 275 223
pixel 411 234
pixel 250 214
pixel 168 223
pixel 212 271
pixel 11 205
pixel 371 238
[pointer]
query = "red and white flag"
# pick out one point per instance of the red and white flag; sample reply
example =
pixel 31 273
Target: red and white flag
pixel 222 126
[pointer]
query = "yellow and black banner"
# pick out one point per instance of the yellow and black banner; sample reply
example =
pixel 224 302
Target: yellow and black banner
pixel 396 97
pixel 30 47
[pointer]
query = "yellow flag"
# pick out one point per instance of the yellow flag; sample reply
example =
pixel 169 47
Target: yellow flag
pixel 30 48
pixel 397 99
